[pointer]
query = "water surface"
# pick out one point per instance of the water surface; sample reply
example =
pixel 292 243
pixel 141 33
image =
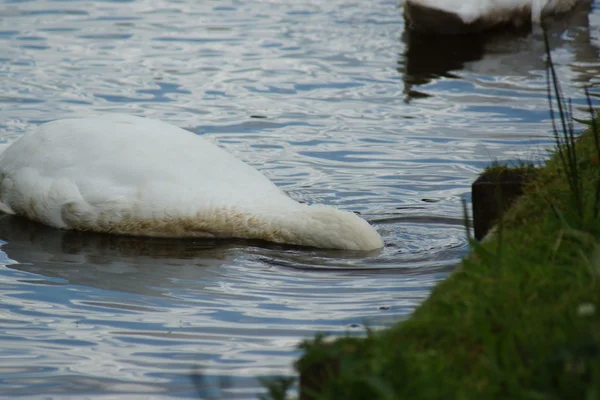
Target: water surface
pixel 334 102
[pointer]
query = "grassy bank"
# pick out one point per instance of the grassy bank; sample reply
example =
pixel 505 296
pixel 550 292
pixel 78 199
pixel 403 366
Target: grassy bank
pixel 519 319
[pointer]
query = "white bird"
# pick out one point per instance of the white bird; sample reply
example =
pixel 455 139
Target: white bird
pixel 128 175
pixel 445 16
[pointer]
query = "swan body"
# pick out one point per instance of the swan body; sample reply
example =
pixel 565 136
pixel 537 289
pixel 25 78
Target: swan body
pixel 464 16
pixel 128 175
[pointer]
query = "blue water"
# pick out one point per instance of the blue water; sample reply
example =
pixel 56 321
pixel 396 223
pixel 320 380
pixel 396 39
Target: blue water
pixel 334 102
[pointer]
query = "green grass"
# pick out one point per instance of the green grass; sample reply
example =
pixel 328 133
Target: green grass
pixel 520 317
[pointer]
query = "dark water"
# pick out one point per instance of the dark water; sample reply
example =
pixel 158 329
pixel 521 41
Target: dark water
pixel 354 112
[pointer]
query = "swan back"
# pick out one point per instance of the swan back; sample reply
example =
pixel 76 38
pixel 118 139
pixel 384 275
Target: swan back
pixel 135 176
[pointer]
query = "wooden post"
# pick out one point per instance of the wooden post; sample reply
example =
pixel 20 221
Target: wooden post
pixel 492 194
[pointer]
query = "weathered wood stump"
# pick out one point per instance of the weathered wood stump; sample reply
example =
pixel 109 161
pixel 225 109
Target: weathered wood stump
pixel 493 193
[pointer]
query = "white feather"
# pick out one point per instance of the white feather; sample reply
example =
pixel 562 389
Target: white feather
pixel 135 176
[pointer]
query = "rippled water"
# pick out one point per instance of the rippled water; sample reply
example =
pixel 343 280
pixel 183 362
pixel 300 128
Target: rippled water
pixel 330 99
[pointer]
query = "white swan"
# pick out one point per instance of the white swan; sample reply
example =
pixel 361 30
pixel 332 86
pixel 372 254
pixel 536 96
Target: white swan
pixel 462 16
pixel 135 176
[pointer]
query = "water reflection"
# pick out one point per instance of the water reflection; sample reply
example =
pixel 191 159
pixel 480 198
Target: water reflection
pixel 147 266
pixel 142 265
